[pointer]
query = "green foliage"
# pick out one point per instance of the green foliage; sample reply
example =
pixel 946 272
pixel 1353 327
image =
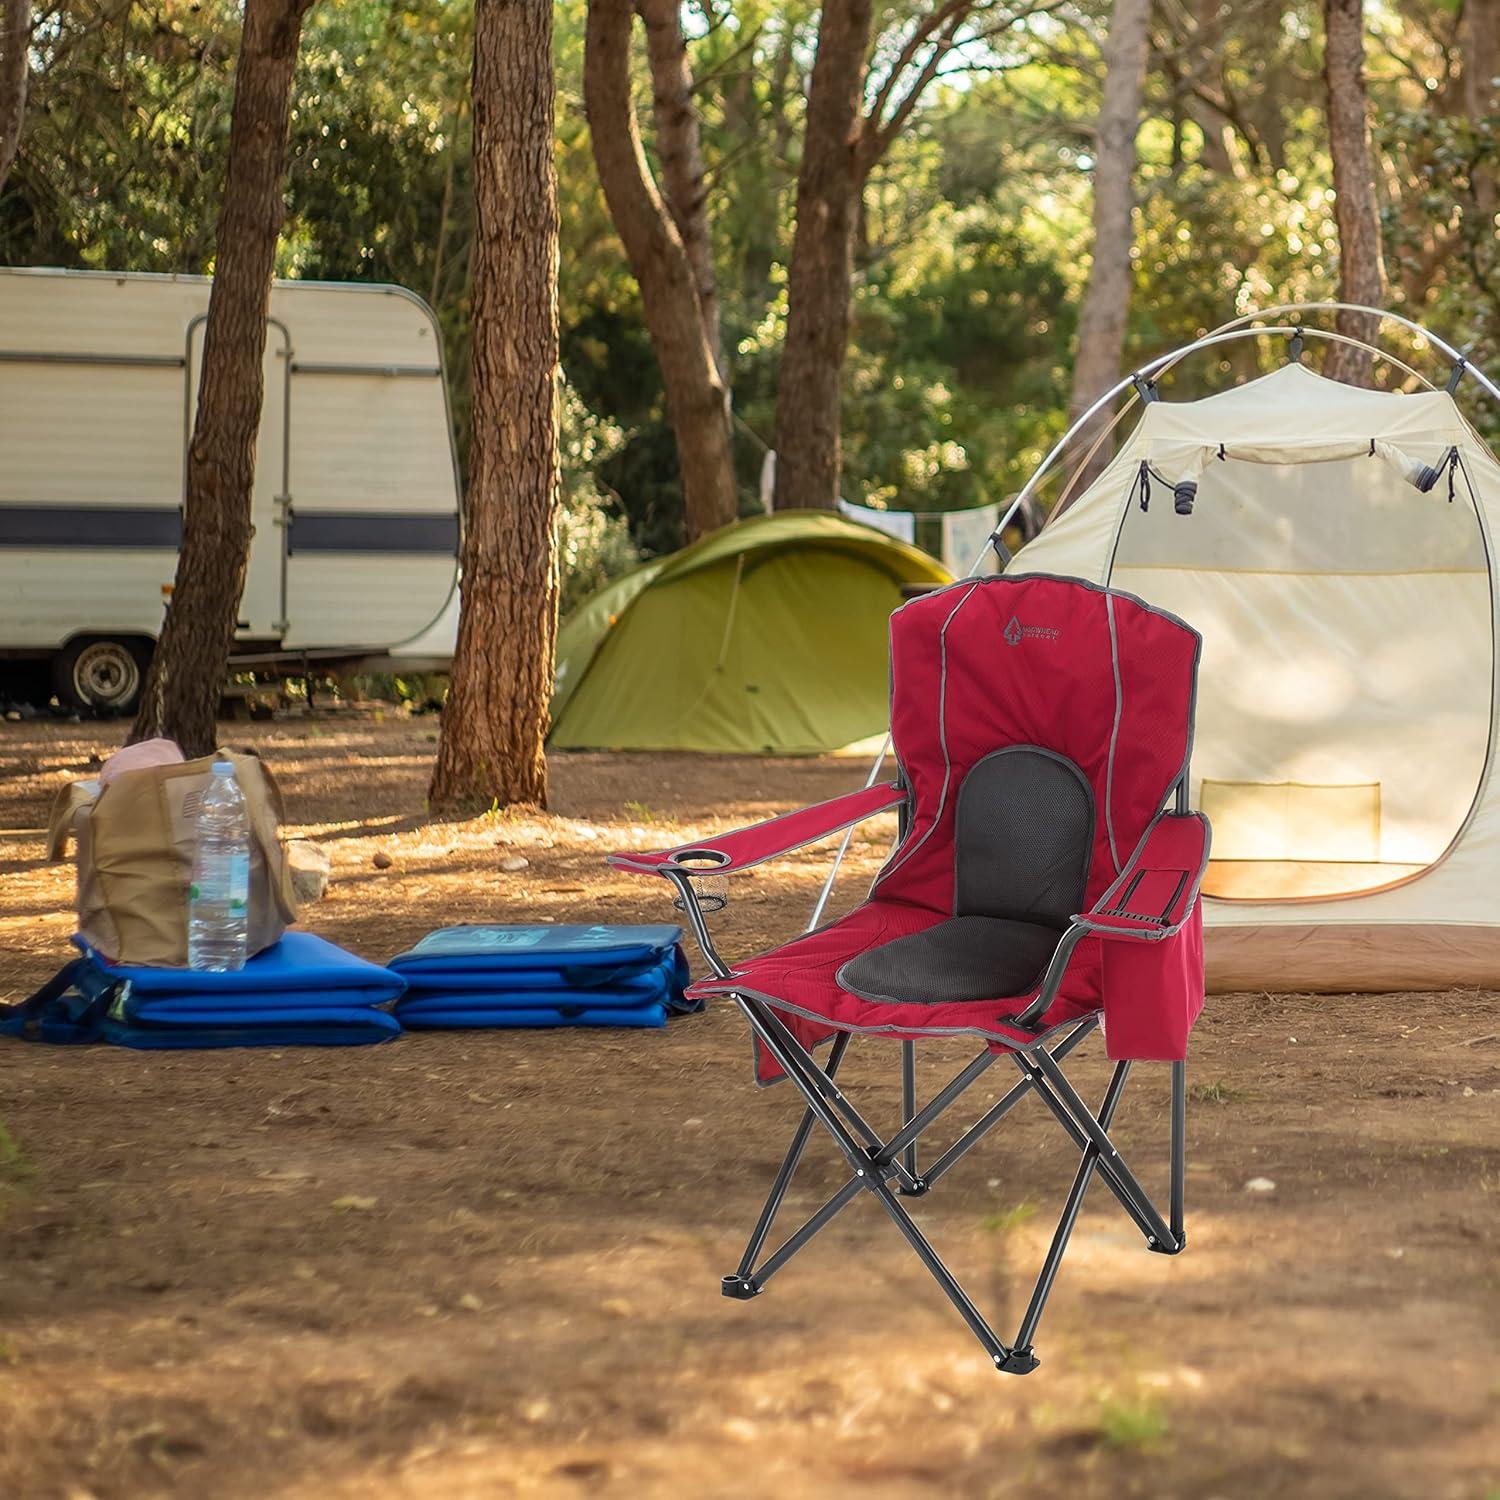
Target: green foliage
pixel 973 245
pixel 17 1174
pixel 954 390
pixel 593 537
pixel 1010 1219
pixel 1217 1092
pixel 1133 1424
pixel 127 131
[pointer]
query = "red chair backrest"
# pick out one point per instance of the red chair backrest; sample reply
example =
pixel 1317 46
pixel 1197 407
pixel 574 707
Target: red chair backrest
pixel 1088 673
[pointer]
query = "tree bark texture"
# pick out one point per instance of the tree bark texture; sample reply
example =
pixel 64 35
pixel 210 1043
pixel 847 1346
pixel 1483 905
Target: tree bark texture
pixel 181 694
pixel 15 73
pixel 1106 303
pixel 1361 266
pixel 1481 61
pixel 1208 33
pixel 660 262
pixel 491 750
pixel 679 147
pixel 809 392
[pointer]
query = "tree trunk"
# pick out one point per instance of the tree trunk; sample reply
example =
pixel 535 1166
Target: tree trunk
pixel 809 392
pixel 1208 62
pixel 495 720
pixel 1481 59
pixel 182 689
pixel 1361 270
pixel 1106 304
pixel 15 72
pixel 681 153
pixel 659 261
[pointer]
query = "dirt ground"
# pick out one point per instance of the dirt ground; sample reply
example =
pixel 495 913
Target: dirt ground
pixel 487 1264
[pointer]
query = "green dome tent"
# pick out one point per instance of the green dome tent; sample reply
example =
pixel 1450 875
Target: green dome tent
pixel 768 636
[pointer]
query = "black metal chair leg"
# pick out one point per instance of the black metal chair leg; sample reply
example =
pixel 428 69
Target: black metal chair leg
pixel 784 1174
pixel 883 1168
pixel 909 1108
pixel 940 1273
pixel 1055 1251
pixel 1160 1236
pixel 1179 1152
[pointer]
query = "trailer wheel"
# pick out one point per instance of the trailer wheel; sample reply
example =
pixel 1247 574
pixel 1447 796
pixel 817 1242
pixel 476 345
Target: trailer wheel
pixel 101 673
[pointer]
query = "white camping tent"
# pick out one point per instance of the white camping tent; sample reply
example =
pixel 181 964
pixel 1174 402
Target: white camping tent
pixel 1337 553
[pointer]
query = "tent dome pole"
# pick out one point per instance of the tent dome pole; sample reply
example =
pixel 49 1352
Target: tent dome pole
pixel 1229 333
pixel 1143 378
pixel 1441 345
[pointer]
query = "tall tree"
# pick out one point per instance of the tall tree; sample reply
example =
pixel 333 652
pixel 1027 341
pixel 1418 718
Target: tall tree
pixel 182 688
pixel 495 720
pixel 15 70
pixel 1361 264
pixel 1481 59
pixel 682 335
pixel 809 392
pixel 680 149
pixel 844 140
pixel 1106 304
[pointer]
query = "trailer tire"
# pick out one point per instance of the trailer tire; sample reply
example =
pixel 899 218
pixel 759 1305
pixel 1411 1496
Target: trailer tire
pixel 101 673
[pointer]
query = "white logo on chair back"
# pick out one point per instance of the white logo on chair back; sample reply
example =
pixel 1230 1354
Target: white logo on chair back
pixel 1016 632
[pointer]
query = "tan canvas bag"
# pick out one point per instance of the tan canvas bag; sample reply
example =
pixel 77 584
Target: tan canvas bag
pixel 135 857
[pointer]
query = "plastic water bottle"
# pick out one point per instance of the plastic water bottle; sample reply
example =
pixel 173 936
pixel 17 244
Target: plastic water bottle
pixel 219 897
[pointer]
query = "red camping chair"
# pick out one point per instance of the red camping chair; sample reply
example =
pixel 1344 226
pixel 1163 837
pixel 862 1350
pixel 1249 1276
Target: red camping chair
pixel 1041 726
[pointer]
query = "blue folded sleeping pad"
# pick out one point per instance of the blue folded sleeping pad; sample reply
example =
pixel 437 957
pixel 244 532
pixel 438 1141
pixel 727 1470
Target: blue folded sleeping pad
pixel 544 976
pixel 302 991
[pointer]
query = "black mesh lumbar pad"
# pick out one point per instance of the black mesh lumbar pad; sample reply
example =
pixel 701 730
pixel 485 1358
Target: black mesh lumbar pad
pixel 968 958
pixel 1023 837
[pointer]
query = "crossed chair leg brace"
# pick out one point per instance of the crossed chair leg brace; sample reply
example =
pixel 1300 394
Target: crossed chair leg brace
pixel 888 1169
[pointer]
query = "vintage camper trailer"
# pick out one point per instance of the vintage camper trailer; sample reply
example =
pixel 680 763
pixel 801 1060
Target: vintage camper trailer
pixel 355 507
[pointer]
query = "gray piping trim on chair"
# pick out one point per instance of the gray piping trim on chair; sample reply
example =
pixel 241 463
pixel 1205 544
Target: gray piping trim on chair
pixel 1029 1045
pixel 623 861
pixel 1114 733
pixel 1153 935
pixel 896 864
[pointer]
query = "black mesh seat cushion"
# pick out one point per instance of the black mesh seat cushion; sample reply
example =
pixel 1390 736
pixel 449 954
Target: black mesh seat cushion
pixel 967 958
pixel 1023 834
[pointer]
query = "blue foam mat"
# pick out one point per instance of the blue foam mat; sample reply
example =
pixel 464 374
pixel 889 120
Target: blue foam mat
pixel 646 980
pixel 544 976
pixel 332 1027
pixel 420 1002
pixel 303 991
pixel 300 963
pixel 489 949
pixel 252 1004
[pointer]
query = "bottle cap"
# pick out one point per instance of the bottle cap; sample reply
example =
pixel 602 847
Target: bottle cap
pixel 223 768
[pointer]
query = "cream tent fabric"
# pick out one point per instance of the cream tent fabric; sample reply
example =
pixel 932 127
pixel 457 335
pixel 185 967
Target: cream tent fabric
pixel 1347 694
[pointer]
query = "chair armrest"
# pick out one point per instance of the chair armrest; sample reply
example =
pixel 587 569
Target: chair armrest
pixel 1151 898
pixel 741 848
pixel 1154 895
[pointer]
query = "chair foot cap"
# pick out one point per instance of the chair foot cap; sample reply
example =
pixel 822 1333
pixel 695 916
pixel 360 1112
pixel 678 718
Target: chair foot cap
pixel 1017 1362
pixel 741 1288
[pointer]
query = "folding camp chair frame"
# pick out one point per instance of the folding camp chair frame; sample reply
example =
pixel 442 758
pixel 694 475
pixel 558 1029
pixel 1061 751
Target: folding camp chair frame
pixel 888 1169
